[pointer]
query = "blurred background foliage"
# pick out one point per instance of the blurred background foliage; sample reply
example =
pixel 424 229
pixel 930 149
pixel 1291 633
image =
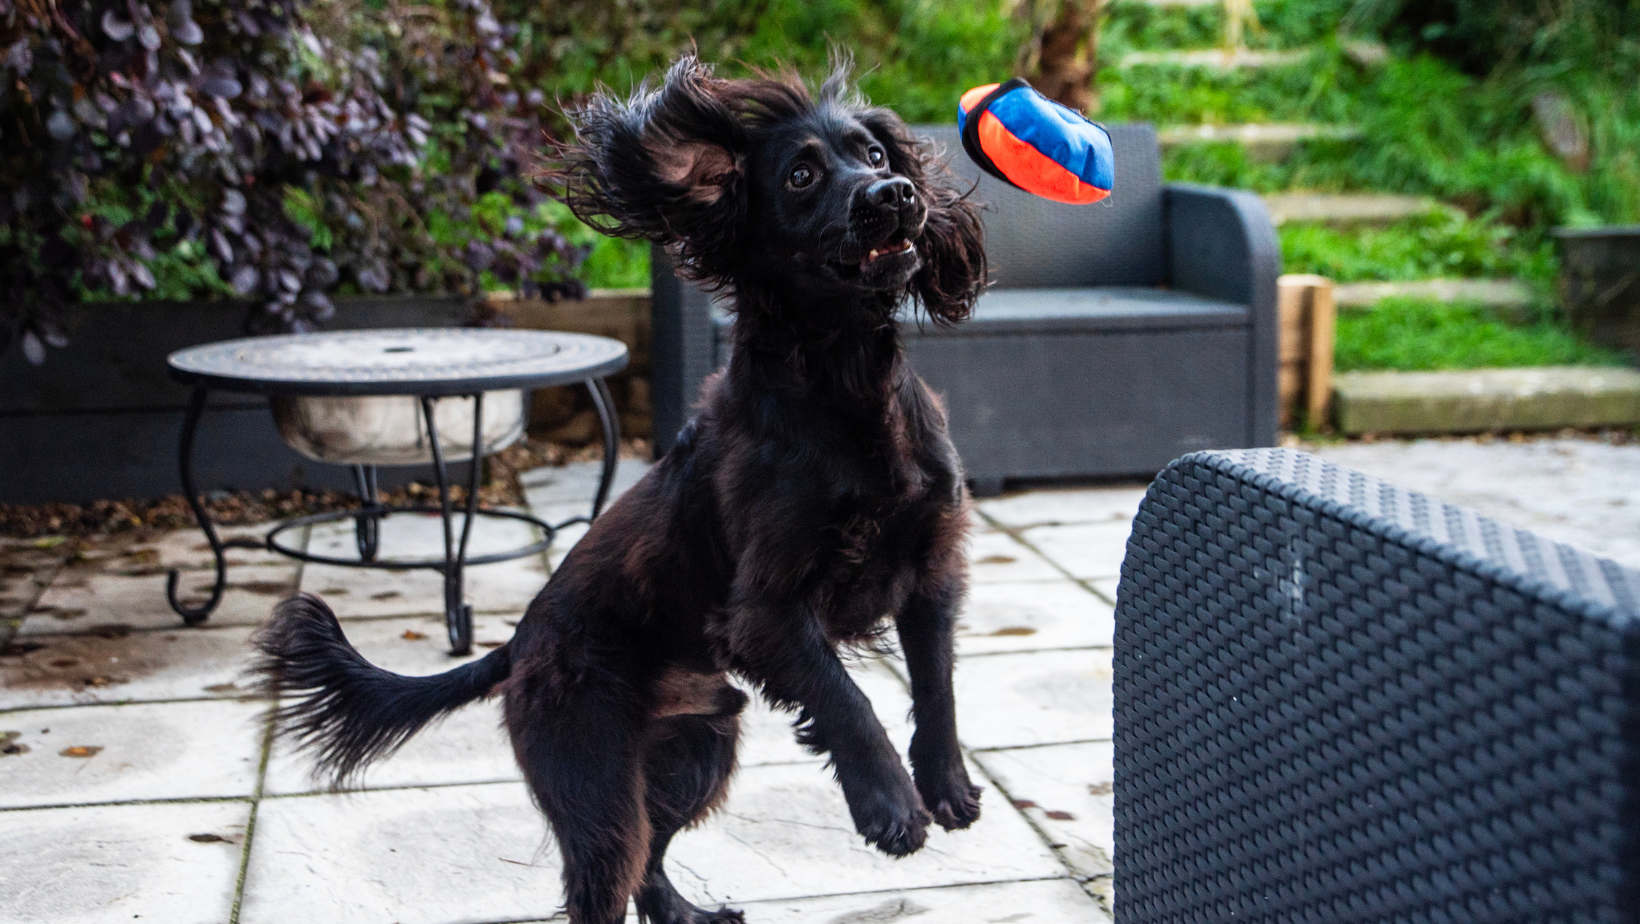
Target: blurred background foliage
pixel 1461 102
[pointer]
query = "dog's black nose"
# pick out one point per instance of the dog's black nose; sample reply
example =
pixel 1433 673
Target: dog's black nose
pixel 893 193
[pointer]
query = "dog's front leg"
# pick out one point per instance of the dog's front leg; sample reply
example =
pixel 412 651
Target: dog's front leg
pixel 926 625
pixel 785 651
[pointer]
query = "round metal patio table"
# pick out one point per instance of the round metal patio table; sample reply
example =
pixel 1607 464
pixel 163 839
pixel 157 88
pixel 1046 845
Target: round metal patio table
pixel 425 365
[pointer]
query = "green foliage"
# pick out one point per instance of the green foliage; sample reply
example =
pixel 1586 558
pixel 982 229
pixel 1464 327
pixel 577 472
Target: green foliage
pixel 1414 334
pixel 1440 243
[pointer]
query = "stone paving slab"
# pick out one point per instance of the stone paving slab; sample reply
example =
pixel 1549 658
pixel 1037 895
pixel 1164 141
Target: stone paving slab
pixel 116 864
pixel 1116 504
pixel 766 735
pixel 1577 491
pixel 997 556
pixel 142 751
pixel 1496 293
pixel 1044 697
pixel 780 820
pixel 1003 617
pixel 1048 901
pixel 1066 791
pixel 412 856
pixel 1538 398
pixel 1083 550
pixel 90 600
pixel 188 548
pixel 65 670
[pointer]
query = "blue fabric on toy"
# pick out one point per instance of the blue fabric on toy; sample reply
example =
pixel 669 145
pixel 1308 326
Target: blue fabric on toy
pixel 1029 141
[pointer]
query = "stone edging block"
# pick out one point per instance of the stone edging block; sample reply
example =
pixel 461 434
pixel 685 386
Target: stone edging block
pixel 1478 400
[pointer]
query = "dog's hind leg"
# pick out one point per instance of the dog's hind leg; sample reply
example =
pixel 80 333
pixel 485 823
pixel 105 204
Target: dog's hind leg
pixel 688 765
pixel 581 750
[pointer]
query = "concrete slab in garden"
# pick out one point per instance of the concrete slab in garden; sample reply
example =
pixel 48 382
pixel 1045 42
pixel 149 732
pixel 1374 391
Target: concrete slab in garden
pixel 1577 491
pixel 1044 901
pixel 1042 697
pixel 60 670
pixel 188 548
pixel 1106 587
pixel 503 587
pixel 177 863
pixel 86 599
pixel 1066 790
pixel 785 833
pixel 1544 397
pixel 996 556
pixel 1084 550
pixel 413 856
pixel 88 754
pixel 1058 507
pixel 26 568
pixel 562 541
pixel 556 493
pixel 1032 615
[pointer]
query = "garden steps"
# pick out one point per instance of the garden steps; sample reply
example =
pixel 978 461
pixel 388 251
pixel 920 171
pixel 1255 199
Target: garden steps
pixel 1483 400
pixel 1346 208
pixel 1365 53
pixel 1493 293
pixel 1263 141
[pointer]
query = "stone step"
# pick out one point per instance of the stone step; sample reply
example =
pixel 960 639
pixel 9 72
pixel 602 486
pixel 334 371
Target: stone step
pixel 1481 400
pixel 1346 208
pixel 1270 142
pixel 1493 293
pixel 1365 53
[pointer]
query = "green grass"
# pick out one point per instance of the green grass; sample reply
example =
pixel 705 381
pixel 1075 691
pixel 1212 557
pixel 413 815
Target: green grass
pixel 1441 243
pixel 1415 334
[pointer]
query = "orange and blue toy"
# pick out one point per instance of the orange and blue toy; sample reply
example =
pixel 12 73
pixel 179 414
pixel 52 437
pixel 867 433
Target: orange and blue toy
pixel 1029 141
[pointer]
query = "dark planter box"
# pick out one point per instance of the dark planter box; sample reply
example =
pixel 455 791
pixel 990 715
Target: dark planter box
pixel 101 418
pixel 1600 283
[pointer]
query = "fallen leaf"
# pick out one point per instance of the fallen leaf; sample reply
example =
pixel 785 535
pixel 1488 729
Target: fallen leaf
pixel 491 644
pixel 111 630
pixel 9 746
pixel 411 635
pixel 50 542
pixel 66 612
pixel 64 662
pixel 1101 789
pixel 79 750
pixel 386 595
pixel 1057 815
pixel 1015 630
pixel 264 588
pixel 997 560
pixel 1024 804
pixel 228 687
pixel 207 839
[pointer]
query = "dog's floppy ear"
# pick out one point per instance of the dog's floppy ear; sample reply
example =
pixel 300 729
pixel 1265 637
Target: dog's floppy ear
pixel 952 243
pixel 667 165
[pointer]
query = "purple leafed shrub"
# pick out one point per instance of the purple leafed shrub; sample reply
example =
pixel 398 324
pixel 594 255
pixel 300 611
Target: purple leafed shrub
pixel 264 150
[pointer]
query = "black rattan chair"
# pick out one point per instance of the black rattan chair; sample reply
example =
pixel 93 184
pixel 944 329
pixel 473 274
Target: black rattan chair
pixel 1337 701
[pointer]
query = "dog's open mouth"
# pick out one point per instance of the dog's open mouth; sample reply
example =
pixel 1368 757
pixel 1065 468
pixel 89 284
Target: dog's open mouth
pixel 887 250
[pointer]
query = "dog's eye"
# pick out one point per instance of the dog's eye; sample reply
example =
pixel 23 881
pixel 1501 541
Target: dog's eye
pixel 874 156
pixel 802 175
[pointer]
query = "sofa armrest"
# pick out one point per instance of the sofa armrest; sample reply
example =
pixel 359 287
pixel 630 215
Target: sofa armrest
pixel 683 348
pixel 1221 244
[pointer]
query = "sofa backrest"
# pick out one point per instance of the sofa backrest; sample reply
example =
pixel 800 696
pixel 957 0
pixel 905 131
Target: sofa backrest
pixel 1036 243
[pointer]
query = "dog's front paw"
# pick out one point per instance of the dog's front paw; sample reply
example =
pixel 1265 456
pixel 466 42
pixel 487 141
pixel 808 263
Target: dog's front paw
pixel 951 798
pixel 894 822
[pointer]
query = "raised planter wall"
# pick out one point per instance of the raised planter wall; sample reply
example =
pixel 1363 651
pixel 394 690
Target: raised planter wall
pixel 101 418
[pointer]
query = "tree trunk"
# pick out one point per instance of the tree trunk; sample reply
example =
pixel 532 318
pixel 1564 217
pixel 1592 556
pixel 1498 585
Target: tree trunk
pixel 1067 54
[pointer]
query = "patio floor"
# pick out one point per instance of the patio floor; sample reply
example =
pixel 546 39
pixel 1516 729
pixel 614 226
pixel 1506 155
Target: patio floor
pixel 137 781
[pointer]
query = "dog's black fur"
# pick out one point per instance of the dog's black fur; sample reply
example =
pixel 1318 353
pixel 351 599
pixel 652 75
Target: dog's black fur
pixel 815 496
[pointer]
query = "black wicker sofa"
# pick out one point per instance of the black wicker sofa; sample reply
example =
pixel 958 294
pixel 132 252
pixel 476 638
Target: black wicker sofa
pixel 1116 336
pixel 1337 701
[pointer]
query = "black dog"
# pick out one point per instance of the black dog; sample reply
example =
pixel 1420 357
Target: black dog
pixel 815 496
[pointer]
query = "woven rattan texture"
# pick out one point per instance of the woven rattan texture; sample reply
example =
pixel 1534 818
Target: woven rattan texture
pixel 1337 702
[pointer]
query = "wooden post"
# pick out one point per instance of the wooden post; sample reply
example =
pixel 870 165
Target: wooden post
pixel 1308 326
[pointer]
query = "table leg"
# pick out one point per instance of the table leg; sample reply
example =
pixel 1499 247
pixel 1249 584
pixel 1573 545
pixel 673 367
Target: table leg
pixel 193 616
pixel 367 526
pixel 602 400
pixel 458 616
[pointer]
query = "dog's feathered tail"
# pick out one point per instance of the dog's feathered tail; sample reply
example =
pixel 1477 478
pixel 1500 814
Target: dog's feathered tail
pixel 347 711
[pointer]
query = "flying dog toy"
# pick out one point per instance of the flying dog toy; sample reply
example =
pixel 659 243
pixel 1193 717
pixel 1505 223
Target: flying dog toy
pixel 1031 142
